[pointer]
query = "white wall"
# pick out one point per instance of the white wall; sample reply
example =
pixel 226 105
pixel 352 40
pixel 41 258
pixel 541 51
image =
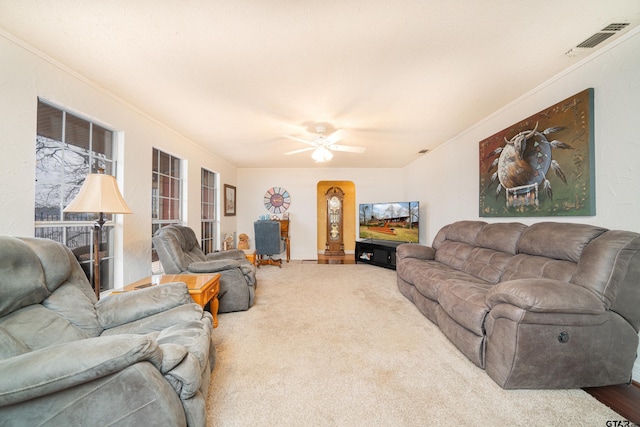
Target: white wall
pixel 372 185
pixel 26 75
pixel 449 175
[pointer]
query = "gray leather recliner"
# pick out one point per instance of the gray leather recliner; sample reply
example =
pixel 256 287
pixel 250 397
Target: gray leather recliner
pixel 180 253
pixel 137 358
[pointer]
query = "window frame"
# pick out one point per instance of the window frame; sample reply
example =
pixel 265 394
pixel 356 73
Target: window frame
pixel 209 212
pixel 64 146
pixel 166 195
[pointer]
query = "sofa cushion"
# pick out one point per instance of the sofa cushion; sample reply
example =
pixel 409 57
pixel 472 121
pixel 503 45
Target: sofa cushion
pixel 486 264
pixel 606 262
pixel 72 304
pixel 555 240
pixel 158 321
pixel 22 279
pixel 461 231
pixel 477 248
pixel 54 258
pixel 454 254
pixel 428 276
pixel 502 237
pixel 123 309
pixel 10 346
pixel 465 303
pixel 529 267
pixel 38 327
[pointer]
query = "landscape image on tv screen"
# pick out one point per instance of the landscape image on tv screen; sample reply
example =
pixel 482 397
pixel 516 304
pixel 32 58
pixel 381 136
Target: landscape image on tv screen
pixel 396 221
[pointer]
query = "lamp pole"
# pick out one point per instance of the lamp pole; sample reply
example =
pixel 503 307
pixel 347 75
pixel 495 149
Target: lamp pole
pixel 97 237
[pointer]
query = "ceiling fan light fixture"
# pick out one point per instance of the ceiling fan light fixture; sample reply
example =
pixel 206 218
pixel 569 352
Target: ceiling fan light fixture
pixel 321 154
pixel 323 146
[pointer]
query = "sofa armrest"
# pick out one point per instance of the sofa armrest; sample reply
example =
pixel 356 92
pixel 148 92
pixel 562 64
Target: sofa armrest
pixel 213 266
pixel 545 296
pixel 230 254
pixel 409 250
pixel 65 365
pixel 118 309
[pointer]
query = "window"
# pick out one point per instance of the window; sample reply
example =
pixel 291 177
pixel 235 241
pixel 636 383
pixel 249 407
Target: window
pixel 209 217
pixel 68 148
pixel 165 196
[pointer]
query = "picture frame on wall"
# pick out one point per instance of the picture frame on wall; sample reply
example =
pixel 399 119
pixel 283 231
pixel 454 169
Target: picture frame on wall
pixel 542 165
pixel 229 200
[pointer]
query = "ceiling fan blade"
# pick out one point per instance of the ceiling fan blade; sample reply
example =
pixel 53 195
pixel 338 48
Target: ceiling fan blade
pixel 347 148
pixel 302 150
pixel 335 137
pixel 304 141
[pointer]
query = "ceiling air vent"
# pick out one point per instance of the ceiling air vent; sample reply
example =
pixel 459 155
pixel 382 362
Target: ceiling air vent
pixel 595 40
pixel 607 32
pixel 616 27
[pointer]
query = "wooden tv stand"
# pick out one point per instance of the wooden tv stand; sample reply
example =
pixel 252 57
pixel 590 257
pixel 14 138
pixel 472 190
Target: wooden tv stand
pixel 377 252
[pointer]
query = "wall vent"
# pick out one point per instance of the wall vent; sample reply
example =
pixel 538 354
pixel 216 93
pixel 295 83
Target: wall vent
pixel 607 32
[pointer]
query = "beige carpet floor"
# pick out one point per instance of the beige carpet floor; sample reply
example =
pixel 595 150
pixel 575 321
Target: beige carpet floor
pixel 338 345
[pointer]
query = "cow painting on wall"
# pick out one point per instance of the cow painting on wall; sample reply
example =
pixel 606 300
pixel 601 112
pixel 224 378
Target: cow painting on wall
pixel 543 165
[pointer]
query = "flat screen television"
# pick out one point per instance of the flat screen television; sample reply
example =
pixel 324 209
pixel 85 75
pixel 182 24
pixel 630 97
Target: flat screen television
pixel 393 221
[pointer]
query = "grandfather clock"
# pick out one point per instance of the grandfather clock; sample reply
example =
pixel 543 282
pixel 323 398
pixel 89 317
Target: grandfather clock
pixel 334 245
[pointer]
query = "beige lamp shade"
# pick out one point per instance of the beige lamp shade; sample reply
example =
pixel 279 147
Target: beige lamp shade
pixel 99 193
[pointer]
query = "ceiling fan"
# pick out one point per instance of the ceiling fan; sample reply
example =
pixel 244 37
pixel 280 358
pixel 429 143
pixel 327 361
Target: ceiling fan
pixel 323 145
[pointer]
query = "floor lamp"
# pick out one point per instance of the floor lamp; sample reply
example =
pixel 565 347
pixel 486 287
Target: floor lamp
pixel 99 194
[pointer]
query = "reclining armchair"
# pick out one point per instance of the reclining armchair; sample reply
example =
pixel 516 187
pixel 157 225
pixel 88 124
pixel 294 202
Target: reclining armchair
pixel 137 358
pixel 180 253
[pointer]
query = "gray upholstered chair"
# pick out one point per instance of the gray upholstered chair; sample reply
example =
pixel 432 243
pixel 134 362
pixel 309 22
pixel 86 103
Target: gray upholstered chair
pixel 136 358
pixel 180 253
pixel 269 242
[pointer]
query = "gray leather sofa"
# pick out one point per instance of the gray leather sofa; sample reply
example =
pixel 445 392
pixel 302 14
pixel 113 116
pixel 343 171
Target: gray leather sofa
pixel 551 305
pixel 132 359
pixel 179 252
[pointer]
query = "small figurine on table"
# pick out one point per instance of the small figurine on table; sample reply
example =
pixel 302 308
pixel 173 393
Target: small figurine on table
pixel 227 243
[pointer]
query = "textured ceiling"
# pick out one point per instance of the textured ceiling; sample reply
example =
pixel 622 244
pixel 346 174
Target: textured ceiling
pixel 236 75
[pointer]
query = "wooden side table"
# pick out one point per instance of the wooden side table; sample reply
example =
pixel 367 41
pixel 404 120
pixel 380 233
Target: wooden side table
pixel 251 255
pixel 284 232
pixel 203 288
